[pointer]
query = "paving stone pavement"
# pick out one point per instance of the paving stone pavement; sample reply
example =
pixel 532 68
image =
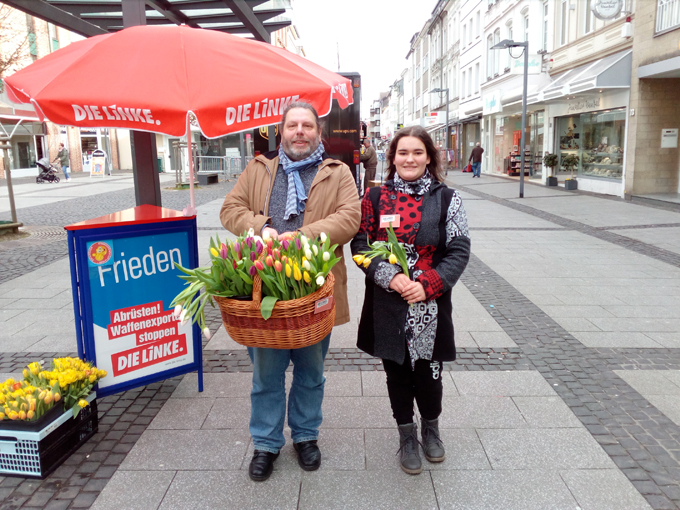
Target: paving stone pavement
pixel 565 394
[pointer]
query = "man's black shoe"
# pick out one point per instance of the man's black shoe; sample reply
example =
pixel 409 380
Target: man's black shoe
pixel 261 465
pixel 309 456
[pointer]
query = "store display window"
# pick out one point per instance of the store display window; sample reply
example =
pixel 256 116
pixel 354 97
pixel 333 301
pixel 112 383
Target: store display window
pixel 597 138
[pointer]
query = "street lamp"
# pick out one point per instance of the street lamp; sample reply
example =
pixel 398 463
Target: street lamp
pixel 446 137
pixel 509 43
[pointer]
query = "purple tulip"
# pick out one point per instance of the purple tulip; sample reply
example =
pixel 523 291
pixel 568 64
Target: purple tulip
pixel 249 242
pixel 285 244
pixel 252 270
pixel 298 243
pixel 259 247
pixel 237 247
pixel 223 252
pixel 253 256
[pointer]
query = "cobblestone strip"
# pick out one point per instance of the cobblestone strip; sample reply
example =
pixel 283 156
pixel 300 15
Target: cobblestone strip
pixel 640 247
pixel 641 440
pixel 22 260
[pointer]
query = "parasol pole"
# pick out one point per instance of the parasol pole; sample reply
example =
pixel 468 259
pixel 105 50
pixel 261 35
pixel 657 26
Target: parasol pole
pixel 191 209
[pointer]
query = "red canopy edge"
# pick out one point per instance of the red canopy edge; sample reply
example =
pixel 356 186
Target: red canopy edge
pixel 135 216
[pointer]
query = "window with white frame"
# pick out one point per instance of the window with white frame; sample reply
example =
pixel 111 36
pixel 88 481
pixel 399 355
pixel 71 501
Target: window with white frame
pixel 525 22
pixel 463 41
pixel 462 86
pixel 564 21
pixel 667 15
pixel 469 85
pixel 476 77
pixel 479 24
pixel 490 55
pixel 506 60
pixel 546 21
pixel 497 60
pixel 588 18
pixel 454 81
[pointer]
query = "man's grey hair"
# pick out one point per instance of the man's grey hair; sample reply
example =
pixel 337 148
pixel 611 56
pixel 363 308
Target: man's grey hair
pixel 299 104
pixel 478 144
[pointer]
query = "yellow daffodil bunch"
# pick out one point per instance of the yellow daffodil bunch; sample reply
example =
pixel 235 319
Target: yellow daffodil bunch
pixel 69 381
pixel 391 250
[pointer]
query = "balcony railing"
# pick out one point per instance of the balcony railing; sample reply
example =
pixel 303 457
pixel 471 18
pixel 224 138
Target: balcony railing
pixel 667 15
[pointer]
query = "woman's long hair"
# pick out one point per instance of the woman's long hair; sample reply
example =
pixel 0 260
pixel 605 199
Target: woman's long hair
pixel 418 132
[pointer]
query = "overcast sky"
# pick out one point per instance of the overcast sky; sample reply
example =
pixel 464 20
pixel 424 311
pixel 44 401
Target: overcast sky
pixel 373 37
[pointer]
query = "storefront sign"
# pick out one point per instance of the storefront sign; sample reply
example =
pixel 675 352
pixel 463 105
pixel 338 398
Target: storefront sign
pixel 606 9
pixel 669 138
pixel 584 106
pixel 431 118
pixel 492 102
pixel 534 64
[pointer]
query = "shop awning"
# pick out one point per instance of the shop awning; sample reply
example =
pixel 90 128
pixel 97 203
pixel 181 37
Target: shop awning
pixel 612 72
pixel 435 127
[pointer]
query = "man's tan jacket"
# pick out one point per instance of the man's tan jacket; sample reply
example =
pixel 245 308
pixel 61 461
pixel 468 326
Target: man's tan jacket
pixel 332 207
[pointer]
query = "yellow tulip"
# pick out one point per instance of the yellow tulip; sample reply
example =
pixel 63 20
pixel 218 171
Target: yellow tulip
pixel 296 273
pixel 288 271
pixel 13 415
pixel 30 415
pixel 57 397
pixel 2 416
pixel 22 415
pixel 306 277
pixel 358 259
pixel 214 252
pixel 83 403
pixel 366 262
pixel 25 372
pixel 393 258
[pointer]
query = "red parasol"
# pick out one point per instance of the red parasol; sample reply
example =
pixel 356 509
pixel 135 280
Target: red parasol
pixel 148 78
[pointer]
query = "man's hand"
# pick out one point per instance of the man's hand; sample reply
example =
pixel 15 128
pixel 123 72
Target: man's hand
pixel 271 231
pixel 286 235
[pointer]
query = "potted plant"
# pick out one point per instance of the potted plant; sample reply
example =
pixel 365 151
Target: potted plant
pixel 551 161
pixel 570 162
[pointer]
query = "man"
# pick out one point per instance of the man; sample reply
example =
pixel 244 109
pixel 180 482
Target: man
pixel 297 188
pixel 64 161
pixel 476 158
pixel 370 160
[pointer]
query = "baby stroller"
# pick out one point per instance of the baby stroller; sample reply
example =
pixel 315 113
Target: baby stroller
pixel 48 171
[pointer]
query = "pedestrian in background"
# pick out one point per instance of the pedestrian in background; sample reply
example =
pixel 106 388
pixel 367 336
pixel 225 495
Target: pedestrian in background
pixel 406 318
pixel 370 160
pixel 298 188
pixel 476 159
pixel 64 160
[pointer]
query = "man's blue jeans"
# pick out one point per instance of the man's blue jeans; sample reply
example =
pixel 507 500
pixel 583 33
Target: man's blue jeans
pixel 476 168
pixel 65 169
pixel 268 396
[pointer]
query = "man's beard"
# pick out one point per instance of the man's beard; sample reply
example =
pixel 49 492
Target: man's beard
pixel 299 154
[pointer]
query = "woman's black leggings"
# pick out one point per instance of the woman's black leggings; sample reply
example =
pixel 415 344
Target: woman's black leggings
pixel 424 383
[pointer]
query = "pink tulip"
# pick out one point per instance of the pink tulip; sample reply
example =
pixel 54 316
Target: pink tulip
pixel 237 247
pixel 253 256
pixel 258 264
pixel 298 244
pixel 285 244
pixel 252 271
pixel 259 247
pixel 278 266
pixel 223 252
pixel 269 261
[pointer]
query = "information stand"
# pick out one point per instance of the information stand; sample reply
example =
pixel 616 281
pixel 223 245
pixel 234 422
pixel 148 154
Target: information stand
pixel 98 163
pixel 124 278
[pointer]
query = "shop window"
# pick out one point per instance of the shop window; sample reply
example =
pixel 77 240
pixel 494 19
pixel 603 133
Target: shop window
pixel 597 138
pixel 564 22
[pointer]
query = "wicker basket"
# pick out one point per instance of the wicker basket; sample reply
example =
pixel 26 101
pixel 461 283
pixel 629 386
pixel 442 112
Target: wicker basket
pixel 293 323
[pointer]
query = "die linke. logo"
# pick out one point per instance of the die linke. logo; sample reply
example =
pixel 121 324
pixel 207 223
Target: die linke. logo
pixel 113 112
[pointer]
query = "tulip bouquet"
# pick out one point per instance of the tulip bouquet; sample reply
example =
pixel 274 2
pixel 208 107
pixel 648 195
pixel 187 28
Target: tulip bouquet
pixel 293 268
pixel 230 275
pixel 70 380
pixel 391 250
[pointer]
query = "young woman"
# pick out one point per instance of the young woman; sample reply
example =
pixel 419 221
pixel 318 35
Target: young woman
pixel 406 318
